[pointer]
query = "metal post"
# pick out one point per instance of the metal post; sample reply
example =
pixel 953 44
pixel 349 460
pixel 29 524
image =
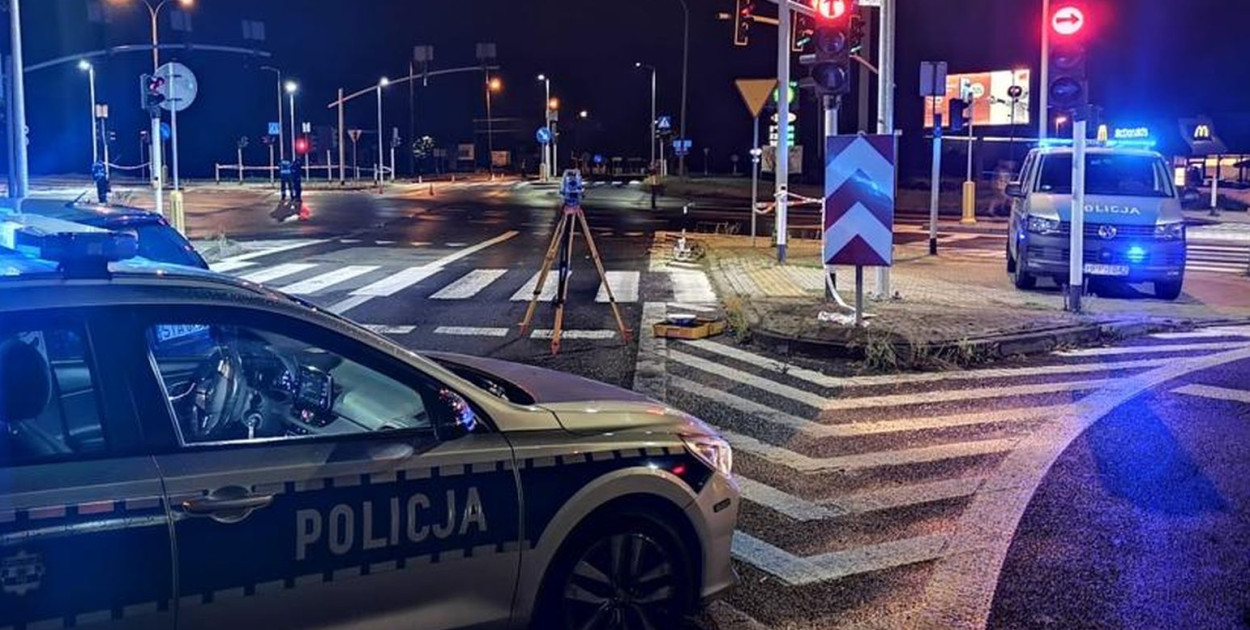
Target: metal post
pixel 271 169
pixel 885 104
pixel 832 105
pixel 755 174
pixel 1043 107
pixel 685 72
pixel 1076 240
pixel 342 143
pixel 173 124
pixel 654 137
pixel 783 130
pixel 294 154
pixel 95 138
pixel 157 169
pixel 859 295
pixel 412 118
pixel 392 163
pixel 330 167
pixel 104 135
pixel 1215 188
pixel 555 147
pixel 490 133
pixel 935 186
pixel 156 49
pixel 546 174
pixel 377 172
pixel 21 166
pixel 240 156
pixel 281 133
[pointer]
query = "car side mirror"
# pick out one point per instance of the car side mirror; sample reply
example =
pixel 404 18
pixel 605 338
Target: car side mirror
pixel 456 417
pixel 1015 189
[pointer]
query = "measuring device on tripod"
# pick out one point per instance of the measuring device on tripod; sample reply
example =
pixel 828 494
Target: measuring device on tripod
pixel 560 253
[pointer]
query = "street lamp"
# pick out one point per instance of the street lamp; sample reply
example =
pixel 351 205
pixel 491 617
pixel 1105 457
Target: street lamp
pixel 291 88
pixel 493 86
pixel 383 82
pixel 86 66
pixel 642 66
pixel 583 114
pixel 546 123
pixel 281 140
pixel 153 12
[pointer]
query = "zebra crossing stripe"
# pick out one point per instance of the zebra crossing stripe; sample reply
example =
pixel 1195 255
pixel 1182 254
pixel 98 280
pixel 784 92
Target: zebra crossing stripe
pixel 274 273
pixel 1206 333
pixel 226 266
pixel 526 292
pixel 326 280
pixel 471 331
pixel 959 395
pixel 395 283
pixel 469 285
pixel 802 510
pixel 798 571
pixel 692 287
pixel 624 285
pixel 265 251
pixel 861 461
pixel 390 330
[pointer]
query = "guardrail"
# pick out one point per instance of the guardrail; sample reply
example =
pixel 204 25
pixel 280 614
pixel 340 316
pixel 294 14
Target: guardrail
pixel 331 172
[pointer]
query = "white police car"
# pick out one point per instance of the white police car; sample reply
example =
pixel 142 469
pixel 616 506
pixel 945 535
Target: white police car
pixel 179 449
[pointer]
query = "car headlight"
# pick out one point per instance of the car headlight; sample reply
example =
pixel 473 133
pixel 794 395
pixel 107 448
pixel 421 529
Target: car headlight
pixel 1040 225
pixel 1170 231
pixel 711 450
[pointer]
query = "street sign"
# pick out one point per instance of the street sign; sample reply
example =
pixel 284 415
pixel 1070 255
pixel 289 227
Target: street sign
pixel 681 147
pixel 354 134
pixel 598 159
pixel 1067 20
pixel 859 201
pixel 664 123
pixel 166 132
pixel 305 127
pixel 275 129
pixel 755 93
pixel 543 135
pixel 932 78
pixel 179 86
pixel 1015 92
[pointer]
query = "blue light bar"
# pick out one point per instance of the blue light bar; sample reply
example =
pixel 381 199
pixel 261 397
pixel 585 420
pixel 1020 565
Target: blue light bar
pixel 1132 144
pixel 79 250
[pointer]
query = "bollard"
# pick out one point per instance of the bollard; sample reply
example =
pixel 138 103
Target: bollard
pixel 431 189
pixel 970 204
pixel 177 215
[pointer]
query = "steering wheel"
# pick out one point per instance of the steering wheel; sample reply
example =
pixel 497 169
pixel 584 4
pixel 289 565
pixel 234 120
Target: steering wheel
pixel 216 399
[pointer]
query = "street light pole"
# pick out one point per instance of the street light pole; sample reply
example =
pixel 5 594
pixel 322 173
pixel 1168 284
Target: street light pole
pixel 383 82
pixel 17 133
pixel 154 12
pixel 281 134
pixel 291 88
pixel 546 168
pixel 644 66
pixel 95 138
pixel 685 71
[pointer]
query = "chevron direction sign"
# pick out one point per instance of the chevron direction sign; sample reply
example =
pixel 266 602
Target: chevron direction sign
pixel 859 201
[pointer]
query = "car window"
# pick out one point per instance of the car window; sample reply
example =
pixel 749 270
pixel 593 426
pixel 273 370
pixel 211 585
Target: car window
pixel 49 404
pixel 1107 174
pixel 160 243
pixel 235 383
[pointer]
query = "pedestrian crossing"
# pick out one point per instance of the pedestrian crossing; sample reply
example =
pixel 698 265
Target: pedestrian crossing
pixel 847 476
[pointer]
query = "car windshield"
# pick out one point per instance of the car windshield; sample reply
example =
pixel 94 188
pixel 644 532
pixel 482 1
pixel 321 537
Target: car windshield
pixel 1107 174
pixel 160 243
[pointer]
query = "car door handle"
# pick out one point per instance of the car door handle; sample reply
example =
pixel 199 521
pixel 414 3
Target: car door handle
pixel 229 504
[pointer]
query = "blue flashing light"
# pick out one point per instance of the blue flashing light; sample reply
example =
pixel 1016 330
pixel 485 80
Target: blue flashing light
pixel 1132 144
pixel 1136 254
pixel 1046 143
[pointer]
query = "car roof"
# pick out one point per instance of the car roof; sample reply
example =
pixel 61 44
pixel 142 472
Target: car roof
pixel 1100 150
pixel 95 214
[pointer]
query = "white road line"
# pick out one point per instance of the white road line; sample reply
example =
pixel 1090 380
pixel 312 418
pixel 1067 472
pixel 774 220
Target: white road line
pixel 903 457
pixel 692 287
pixel 228 266
pixel 802 510
pixel 1188 347
pixel 797 571
pixel 270 274
pixel 348 303
pixel 526 292
pixel 765 362
pixel 817 430
pixel 624 286
pixel 471 331
pixel 1206 333
pixel 274 250
pixel 1218 393
pixel 544 333
pixel 960 395
pixel 746 378
pixel 1210 269
pixel 326 280
pixel 469 285
pixel 397 282
pixel 390 330
pixel 1217 248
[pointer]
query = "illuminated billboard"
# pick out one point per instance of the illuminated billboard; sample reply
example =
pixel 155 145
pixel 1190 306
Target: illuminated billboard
pixel 992 102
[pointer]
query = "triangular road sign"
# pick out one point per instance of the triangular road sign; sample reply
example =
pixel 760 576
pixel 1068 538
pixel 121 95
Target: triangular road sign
pixel 755 93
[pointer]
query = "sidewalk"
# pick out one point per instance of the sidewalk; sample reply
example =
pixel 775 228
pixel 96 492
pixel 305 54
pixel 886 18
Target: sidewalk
pixel 948 310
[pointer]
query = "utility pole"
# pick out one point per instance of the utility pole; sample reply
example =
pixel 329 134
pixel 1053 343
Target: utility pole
pixel 1043 108
pixel 782 189
pixel 342 147
pixel 885 105
pixel 17 133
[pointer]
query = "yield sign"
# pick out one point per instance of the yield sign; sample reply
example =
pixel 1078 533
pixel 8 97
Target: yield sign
pixel 859 201
pixel 755 93
pixel 355 134
pixel 1068 20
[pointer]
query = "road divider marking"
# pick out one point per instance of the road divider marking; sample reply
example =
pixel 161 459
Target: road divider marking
pixel 469 284
pixel 879 459
pixel 471 331
pixel 624 285
pixel 1159 349
pixel 329 279
pixel 276 272
pixel 799 571
pixel 383 329
pixel 544 333
pixel 1216 393
pixel 960 395
pixel 815 401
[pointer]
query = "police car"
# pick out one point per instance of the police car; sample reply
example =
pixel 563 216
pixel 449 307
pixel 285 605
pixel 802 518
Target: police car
pixel 179 449
pixel 1134 227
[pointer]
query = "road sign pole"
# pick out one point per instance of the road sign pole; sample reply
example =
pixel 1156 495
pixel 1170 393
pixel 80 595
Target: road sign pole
pixel 831 130
pixel 240 158
pixel 173 122
pixel 755 175
pixel 104 135
pixel 342 144
pixel 1076 237
pixel 271 159
pixel 783 129
pixel 935 186
pixel 157 170
pixel 885 105
pixel 17 137
pixel 1043 106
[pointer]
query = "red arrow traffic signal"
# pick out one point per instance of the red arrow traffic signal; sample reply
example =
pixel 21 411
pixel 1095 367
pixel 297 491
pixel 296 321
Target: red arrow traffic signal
pixel 1068 21
pixel 831 9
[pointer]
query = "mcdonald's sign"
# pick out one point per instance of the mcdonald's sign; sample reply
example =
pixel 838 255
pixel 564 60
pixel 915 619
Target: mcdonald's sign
pixel 1202 132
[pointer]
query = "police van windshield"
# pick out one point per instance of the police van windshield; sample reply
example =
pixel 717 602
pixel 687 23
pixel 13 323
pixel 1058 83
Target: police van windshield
pixel 1107 174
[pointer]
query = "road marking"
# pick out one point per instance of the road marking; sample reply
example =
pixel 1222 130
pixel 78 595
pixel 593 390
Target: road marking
pixel 1210 269
pixel 397 282
pixel 543 333
pixel 960 395
pixel 1216 248
pixel 326 280
pixel 1217 393
pixel 624 285
pixel 274 250
pixel 692 287
pixel 697 308
pixel 469 285
pixel 227 267
pixel 348 303
pixel 802 510
pixel 469 251
pixel 797 571
pixel 471 331
pixel 1206 333
pixel 278 271
pixel 818 430
pixel 879 459
pixel 746 378
pixel 784 503
pixel 390 330
pixel 526 292
pixel 1189 347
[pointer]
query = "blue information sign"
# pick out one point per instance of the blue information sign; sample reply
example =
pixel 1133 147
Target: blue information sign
pixel 664 123
pixel 275 129
pixel 166 132
pixel 544 135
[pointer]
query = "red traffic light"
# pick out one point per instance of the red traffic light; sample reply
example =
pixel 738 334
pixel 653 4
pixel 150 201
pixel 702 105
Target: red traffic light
pixel 301 146
pixel 1068 20
pixel 831 9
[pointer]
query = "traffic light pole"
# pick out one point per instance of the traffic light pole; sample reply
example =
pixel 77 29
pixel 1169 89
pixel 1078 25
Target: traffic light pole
pixel 885 106
pixel 17 131
pixel 342 144
pixel 783 128
pixel 935 185
pixel 1076 237
pixel 157 169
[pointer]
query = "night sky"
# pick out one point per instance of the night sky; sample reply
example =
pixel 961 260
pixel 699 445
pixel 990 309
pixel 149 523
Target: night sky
pixel 1153 62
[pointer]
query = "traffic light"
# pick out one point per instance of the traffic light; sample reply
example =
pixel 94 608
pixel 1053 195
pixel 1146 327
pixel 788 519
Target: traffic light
pixel 743 17
pixel 804 27
pixel 958 114
pixel 1069 83
pixel 830 62
pixel 152 95
pixel 301 146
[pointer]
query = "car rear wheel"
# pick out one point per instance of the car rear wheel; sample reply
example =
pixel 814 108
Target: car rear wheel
pixel 1021 278
pixel 1169 290
pixel 629 572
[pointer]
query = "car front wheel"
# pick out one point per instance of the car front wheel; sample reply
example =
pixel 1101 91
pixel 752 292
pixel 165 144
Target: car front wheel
pixel 1168 290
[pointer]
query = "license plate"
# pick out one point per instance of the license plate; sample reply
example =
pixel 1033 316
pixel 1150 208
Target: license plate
pixel 1106 270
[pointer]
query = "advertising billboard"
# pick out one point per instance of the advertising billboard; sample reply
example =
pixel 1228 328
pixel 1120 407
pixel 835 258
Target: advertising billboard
pixel 992 103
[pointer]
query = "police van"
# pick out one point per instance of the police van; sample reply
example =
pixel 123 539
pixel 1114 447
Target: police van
pixel 1134 229
pixel 180 449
